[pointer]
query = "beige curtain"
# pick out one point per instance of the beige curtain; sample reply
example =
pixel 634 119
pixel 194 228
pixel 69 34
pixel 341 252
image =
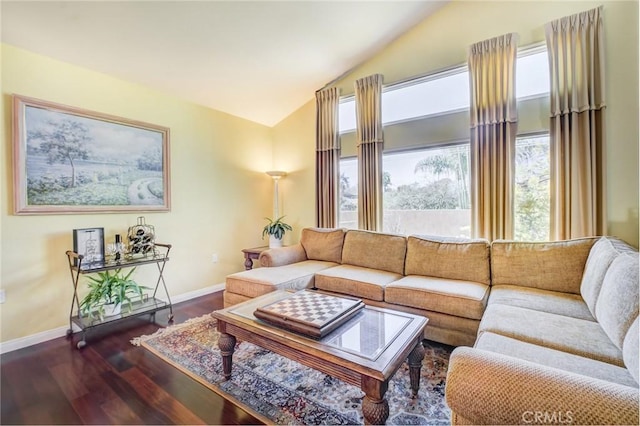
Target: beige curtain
pixel 368 92
pixel 327 158
pixel 576 61
pixel 494 119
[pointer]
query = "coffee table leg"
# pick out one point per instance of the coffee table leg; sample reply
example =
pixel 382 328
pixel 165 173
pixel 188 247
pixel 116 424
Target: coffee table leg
pixel 227 344
pixel 375 407
pixel 415 364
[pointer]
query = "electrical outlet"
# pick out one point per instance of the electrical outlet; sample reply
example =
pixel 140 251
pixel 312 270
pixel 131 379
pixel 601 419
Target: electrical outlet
pixel 2 296
pixel 214 257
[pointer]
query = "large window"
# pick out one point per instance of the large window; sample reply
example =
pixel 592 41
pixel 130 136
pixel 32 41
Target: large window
pixel 426 191
pixel 532 213
pixel 426 162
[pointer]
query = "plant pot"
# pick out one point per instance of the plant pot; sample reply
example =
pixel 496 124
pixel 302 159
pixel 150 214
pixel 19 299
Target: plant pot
pixel 112 310
pixel 274 242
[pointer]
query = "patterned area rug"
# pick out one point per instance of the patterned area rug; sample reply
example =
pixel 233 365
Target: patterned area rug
pixel 280 391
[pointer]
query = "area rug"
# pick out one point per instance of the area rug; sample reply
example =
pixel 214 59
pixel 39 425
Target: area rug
pixel 277 390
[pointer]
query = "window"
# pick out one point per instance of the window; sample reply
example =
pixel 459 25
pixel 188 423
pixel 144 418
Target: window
pixel 426 191
pixel 436 94
pixel 444 92
pixel 532 197
pixel 426 168
pixel 348 217
pixel 532 73
pixel 347 114
pixel 448 91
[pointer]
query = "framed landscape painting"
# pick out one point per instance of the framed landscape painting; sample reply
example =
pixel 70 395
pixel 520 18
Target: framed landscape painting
pixel 70 160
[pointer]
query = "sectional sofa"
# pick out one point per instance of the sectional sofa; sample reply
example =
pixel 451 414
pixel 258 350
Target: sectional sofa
pixel 558 342
pixel 546 332
pixel 444 279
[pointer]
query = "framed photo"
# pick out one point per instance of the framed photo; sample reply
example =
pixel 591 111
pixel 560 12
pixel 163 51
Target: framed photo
pixel 70 160
pixel 89 242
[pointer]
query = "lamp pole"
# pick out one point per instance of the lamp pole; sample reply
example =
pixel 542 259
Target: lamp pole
pixel 276 176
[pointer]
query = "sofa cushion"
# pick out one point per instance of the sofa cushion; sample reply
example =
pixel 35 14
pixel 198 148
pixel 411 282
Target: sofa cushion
pixel 323 244
pixel 630 350
pixel 374 250
pixel 603 252
pixel 556 266
pixel 554 358
pixel 485 387
pixel 554 302
pixel 355 281
pixel 464 299
pixel 577 336
pixel 442 257
pixel 256 282
pixel 617 305
pixel 280 256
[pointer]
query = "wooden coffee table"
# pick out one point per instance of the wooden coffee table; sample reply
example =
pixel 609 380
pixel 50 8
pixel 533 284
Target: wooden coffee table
pixel 366 351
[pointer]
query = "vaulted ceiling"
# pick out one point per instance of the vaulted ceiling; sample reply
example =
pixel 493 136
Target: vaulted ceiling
pixel 260 60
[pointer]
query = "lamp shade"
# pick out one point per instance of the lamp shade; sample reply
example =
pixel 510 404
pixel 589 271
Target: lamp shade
pixel 277 174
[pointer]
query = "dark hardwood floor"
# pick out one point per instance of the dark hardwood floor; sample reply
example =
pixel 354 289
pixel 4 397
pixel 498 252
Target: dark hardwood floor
pixel 110 381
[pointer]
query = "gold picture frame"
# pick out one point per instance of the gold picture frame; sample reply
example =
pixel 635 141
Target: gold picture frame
pixel 71 160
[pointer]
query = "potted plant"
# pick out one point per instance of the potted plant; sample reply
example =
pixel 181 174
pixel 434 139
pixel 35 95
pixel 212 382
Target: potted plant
pixel 275 229
pixel 109 291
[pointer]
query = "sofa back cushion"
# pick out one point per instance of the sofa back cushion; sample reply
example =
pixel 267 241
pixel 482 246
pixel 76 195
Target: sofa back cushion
pixel 556 265
pixel 323 243
pixel 603 252
pixel 617 305
pixel 451 258
pixel 375 250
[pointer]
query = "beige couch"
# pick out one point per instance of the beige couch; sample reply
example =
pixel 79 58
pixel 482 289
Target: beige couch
pixel 558 342
pixel 551 329
pixel 445 279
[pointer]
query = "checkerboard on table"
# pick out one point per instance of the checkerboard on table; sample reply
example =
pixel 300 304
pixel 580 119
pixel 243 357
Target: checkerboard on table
pixel 311 308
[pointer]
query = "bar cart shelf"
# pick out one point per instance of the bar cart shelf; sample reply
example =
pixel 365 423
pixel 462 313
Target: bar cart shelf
pixel 149 305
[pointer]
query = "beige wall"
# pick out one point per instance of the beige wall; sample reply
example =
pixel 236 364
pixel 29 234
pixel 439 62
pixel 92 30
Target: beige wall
pixel 220 193
pixel 295 155
pixel 441 41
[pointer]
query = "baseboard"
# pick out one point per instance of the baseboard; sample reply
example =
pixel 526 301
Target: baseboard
pixel 43 336
pixel 34 339
pixel 197 293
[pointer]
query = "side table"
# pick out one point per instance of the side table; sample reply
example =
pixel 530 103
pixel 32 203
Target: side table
pixel 250 254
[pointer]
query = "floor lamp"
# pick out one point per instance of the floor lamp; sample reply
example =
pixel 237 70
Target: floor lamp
pixel 276 176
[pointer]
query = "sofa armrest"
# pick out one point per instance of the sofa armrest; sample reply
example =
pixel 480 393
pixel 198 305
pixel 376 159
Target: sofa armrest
pixel 489 388
pixel 280 256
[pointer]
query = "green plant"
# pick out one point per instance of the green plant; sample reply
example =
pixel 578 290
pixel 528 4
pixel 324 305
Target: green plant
pixel 277 228
pixel 110 288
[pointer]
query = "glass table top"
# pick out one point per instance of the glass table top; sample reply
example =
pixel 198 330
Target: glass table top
pixel 367 334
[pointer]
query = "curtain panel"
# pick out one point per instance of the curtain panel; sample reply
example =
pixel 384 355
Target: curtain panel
pixel 368 94
pixel 327 158
pixel 576 61
pixel 494 117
